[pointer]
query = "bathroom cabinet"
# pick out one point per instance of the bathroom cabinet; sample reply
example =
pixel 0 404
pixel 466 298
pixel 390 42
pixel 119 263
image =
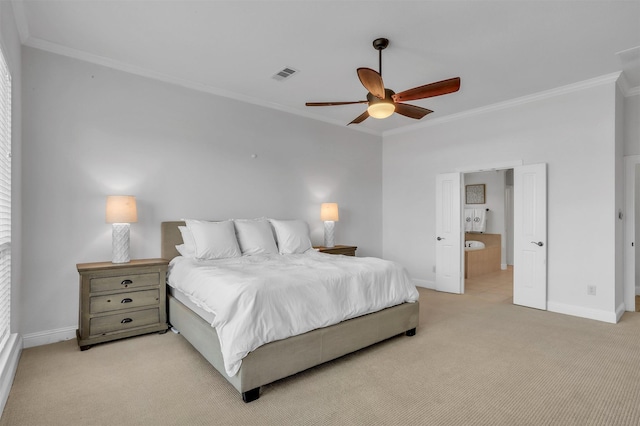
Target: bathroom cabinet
pixel 483 261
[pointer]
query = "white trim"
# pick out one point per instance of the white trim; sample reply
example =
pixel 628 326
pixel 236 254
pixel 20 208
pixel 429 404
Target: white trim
pixel 49 336
pixel 629 286
pixel 580 311
pixel 424 283
pixel 586 84
pixel 632 92
pixel 20 19
pixel 625 86
pixel 9 358
pixel 490 167
pixel 620 311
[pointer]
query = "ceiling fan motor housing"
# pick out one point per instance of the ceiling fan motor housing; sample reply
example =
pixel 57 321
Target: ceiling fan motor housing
pixel 380 43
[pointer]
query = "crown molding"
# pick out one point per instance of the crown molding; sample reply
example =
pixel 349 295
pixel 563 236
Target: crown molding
pixel 143 72
pixel 574 87
pixel 20 18
pixel 625 86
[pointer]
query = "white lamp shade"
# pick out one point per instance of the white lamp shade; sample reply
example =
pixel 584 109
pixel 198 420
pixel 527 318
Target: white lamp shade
pixel 329 211
pixel 121 209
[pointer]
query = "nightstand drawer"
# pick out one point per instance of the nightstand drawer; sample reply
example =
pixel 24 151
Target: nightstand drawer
pixel 133 299
pixel 124 282
pixel 109 323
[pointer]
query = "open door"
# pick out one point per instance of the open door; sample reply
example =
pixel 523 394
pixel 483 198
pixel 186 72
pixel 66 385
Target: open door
pixel 449 237
pixel 530 236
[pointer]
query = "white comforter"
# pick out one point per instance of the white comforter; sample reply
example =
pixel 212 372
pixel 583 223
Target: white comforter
pixel 260 299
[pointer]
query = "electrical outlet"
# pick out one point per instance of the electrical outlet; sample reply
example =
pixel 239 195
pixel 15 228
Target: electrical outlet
pixel 591 290
pixel 434 269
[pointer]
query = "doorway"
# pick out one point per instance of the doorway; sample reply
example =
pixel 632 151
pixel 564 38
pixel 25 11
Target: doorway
pixel 488 268
pixel 530 231
pixel 631 233
pixel 636 217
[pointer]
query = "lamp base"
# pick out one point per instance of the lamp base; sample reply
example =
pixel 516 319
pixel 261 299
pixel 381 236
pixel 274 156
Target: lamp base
pixel 329 234
pixel 120 243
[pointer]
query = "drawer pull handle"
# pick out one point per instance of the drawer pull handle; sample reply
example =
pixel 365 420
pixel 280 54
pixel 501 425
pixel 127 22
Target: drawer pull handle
pixel 126 320
pixel 127 300
pixel 126 282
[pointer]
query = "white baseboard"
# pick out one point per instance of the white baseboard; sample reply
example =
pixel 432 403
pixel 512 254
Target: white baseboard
pixel 620 311
pixel 579 311
pixel 424 283
pixel 9 358
pixel 49 336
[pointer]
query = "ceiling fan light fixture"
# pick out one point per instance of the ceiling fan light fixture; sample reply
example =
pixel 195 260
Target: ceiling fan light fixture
pixel 381 109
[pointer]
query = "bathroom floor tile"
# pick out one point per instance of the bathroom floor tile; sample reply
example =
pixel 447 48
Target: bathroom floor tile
pixel 493 287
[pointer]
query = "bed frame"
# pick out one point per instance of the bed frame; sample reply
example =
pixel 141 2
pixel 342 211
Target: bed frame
pixel 282 358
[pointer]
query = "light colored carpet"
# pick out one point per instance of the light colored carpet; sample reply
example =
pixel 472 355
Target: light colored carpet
pixel 472 362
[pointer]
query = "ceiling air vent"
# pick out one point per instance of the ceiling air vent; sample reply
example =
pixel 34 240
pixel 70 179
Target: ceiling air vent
pixel 285 73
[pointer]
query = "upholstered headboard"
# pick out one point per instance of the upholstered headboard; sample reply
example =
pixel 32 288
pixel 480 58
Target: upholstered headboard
pixel 170 237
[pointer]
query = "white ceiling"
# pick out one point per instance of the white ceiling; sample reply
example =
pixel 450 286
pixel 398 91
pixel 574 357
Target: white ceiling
pixel 502 50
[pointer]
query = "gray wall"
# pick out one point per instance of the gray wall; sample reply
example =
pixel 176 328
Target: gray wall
pixel 92 131
pixel 572 131
pixel 632 125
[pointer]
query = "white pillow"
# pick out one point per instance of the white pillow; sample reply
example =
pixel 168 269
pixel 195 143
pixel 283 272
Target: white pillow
pixel 292 235
pixel 188 246
pixel 214 240
pixel 255 236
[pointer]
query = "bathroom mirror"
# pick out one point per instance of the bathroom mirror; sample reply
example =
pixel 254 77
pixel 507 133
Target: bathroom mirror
pixel 474 193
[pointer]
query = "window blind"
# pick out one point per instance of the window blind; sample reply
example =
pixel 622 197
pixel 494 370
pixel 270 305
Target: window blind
pixel 5 201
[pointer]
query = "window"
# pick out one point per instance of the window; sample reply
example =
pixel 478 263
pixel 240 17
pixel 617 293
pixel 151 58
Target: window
pixel 5 201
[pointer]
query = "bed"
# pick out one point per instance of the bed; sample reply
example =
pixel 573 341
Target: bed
pixel 281 358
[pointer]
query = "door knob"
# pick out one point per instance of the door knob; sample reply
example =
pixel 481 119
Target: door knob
pixel 538 243
pixel 439 238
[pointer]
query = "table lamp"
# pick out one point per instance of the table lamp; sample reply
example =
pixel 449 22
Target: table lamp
pixel 121 211
pixel 329 214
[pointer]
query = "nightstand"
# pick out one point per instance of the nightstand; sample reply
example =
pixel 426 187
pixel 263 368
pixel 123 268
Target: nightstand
pixel 119 300
pixel 346 250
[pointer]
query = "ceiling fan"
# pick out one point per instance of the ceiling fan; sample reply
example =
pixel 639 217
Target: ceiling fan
pixel 384 102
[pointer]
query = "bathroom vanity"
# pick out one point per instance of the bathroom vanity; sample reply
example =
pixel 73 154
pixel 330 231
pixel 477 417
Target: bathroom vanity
pixel 480 260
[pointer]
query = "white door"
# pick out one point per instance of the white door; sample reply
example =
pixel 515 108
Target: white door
pixel 448 233
pixel 530 236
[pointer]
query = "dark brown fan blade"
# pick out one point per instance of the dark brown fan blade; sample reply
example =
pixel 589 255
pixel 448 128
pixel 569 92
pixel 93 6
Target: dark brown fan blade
pixel 372 81
pixel 412 111
pixel 334 103
pixel 360 118
pixel 429 90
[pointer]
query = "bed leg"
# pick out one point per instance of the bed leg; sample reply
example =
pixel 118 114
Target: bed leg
pixel 251 395
pixel 411 332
